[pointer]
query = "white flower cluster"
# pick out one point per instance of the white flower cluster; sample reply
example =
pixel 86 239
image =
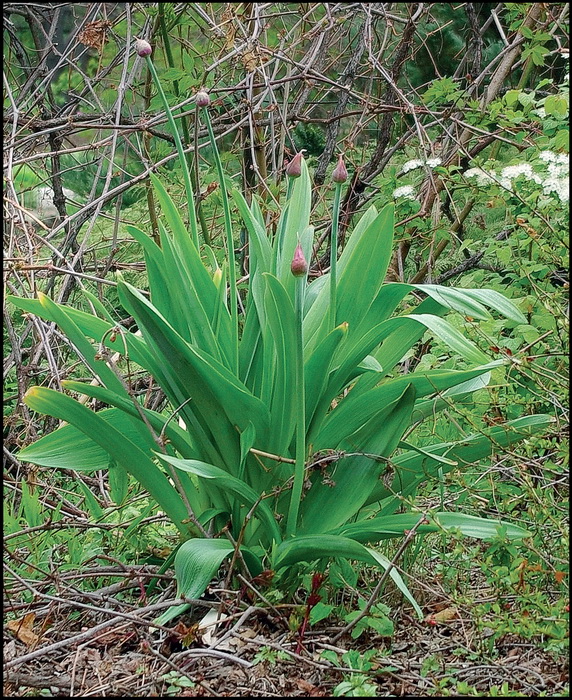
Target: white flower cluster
pixel 555 179
pixel 407 192
pixel 511 172
pixel 558 167
pixel 482 176
pixel 414 164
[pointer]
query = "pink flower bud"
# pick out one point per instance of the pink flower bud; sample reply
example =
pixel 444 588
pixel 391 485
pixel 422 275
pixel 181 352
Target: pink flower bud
pixel 299 265
pixel 294 167
pixel 143 48
pixel 340 173
pixel 202 99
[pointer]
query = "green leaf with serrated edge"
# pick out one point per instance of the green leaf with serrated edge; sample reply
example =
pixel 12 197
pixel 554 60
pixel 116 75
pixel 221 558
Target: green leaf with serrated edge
pixel 380 528
pixel 281 321
pixel 411 468
pixel 231 485
pixel 196 563
pixel 325 506
pixel 125 452
pixel 309 548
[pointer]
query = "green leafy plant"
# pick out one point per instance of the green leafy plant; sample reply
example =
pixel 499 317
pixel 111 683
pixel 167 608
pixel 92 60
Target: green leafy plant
pixel 276 451
pixel 354 684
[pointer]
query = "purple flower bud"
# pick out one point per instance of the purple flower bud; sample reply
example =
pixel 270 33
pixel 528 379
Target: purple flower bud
pixel 143 48
pixel 202 99
pixel 294 167
pixel 299 265
pixel 340 173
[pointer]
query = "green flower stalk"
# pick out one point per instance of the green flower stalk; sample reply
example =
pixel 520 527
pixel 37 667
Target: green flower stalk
pixel 203 100
pixel 143 49
pixel 339 176
pixel 293 170
pixel 299 268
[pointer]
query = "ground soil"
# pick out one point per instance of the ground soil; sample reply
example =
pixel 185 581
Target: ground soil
pixel 102 645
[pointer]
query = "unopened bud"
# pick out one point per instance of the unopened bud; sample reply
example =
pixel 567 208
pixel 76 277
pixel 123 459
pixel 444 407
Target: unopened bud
pixel 340 173
pixel 299 265
pixel 202 99
pixel 143 48
pixel 294 167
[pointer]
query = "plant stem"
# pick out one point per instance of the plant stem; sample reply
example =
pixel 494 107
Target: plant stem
pixel 284 221
pixel 300 414
pixel 334 254
pixel 233 292
pixel 184 123
pixel 180 151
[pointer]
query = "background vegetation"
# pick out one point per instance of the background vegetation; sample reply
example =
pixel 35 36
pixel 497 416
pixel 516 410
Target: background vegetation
pixel 458 113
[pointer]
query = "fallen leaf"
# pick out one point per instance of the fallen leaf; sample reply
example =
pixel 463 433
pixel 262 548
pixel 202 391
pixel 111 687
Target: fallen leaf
pixel 22 628
pixel 444 615
pixel 312 690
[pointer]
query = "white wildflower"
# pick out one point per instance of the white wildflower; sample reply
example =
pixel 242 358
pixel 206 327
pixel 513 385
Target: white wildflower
pixel 407 192
pixel 513 171
pixel 482 176
pixel 411 165
pixel 565 56
pixel 541 112
pixel 433 162
pixel 547 156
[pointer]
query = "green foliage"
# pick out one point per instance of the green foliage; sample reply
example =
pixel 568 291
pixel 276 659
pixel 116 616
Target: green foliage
pixel 311 374
pixel 210 463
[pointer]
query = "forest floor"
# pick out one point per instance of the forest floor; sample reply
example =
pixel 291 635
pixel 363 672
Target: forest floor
pixel 101 644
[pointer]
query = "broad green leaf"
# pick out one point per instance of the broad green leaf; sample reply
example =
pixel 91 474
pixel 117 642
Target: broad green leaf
pixel 230 485
pixel 411 468
pixel 309 548
pixel 380 528
pixel 281 321
pixel 260 247
pixel 99 366
pixel 326 506
pixel 196 563
pixel 70 448
pixel 222 399
pixel 126 453
pixel 317 371
pixel 352 412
